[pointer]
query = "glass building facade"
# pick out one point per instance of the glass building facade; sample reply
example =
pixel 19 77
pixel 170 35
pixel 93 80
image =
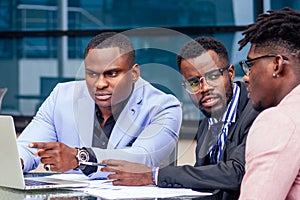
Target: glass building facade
pixel 44 40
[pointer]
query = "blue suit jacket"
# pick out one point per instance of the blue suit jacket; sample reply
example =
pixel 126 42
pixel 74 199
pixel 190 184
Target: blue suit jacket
pixel 146 131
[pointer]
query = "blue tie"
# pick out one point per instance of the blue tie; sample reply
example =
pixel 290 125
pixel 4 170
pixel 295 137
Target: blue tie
pixel 214 144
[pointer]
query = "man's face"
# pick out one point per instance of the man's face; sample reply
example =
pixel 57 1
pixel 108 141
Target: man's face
pixel 260 87
pixel 211 100
pixel 108 76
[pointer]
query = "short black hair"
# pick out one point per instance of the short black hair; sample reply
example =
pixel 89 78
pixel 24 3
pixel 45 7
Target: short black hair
pixel 200 45
pixel 112 39
pixel 275 30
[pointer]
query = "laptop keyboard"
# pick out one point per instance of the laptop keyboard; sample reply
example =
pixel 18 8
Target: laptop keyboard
pixel 29 182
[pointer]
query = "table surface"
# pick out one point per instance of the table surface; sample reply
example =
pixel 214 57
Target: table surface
pixel 65 194
pixel 61 194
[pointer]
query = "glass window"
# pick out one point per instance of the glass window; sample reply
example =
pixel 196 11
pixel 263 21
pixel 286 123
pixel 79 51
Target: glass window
pixel 30 38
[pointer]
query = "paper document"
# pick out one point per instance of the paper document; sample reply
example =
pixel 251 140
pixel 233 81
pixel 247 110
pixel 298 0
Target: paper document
pixel 105 189
pixel 73 177
pixel 108 191
pixel 80 178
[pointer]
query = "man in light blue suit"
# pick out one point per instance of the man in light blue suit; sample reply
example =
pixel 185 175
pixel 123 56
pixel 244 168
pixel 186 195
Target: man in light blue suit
pixel 113 114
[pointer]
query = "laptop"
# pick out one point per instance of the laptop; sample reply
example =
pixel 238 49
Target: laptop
pixel 11 169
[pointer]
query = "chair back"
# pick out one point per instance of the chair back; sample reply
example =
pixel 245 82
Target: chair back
pixel 2 93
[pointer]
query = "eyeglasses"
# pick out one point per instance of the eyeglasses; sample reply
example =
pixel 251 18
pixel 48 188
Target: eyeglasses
pixel 193 85
pixel 247 64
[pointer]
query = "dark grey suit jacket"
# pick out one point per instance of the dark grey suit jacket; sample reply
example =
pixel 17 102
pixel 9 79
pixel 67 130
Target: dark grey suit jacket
pixel 228 173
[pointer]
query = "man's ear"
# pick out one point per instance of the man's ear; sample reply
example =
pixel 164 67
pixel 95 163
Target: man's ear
pixel 135 72
pixel 279 66
pixel 231 72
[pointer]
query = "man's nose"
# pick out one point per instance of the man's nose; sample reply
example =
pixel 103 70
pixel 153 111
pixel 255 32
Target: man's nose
pixel 101 82
pixel 246 78
pixel 204 86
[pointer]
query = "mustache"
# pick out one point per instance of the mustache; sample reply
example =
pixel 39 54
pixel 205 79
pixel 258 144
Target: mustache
pixel 208 96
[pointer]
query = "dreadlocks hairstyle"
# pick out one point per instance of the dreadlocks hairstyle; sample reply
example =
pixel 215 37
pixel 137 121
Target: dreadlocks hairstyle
pixel 276 29
pixel 200 45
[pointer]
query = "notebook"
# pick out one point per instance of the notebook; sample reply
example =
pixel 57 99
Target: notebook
pixel 11 170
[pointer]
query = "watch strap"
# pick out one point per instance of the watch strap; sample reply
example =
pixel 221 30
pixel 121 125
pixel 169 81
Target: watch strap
pixel 86 169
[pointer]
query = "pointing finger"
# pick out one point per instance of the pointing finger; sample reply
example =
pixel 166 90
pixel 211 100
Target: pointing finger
pixel 38 145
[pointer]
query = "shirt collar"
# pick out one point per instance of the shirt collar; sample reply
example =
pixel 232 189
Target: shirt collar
pixel 115 114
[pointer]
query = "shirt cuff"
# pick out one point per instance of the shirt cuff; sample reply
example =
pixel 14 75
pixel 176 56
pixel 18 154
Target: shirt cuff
pixel 155 174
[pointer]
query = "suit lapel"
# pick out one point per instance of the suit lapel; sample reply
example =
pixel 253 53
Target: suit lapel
pixel 202 146
pixel 124 130
pixel 84 110
pixel 121 130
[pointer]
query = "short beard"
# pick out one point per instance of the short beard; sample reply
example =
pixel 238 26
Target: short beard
pixel 258 107
pixel 218 113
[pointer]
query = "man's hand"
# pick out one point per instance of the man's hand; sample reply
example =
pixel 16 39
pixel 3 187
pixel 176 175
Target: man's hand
pixel 59 156
pixel 128 173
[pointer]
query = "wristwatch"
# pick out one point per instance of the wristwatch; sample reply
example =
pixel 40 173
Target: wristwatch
pixel 82 156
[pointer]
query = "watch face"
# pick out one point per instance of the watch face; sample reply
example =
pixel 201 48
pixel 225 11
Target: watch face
pixel 83 156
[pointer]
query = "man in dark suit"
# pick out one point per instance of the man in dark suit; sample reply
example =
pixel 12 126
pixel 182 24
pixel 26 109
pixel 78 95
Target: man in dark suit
pixel 220 153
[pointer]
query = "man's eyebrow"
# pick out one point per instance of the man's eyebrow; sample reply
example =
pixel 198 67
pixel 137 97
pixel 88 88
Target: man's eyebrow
pixel 113 68
pixel 90 71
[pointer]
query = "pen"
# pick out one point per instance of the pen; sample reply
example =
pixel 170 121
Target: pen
pixel 93 164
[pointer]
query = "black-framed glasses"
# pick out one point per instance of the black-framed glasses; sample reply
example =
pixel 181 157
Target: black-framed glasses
pixel 193 85
pixel 247 64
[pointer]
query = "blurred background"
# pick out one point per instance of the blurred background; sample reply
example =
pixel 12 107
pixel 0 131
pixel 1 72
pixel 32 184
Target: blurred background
pixel 42 41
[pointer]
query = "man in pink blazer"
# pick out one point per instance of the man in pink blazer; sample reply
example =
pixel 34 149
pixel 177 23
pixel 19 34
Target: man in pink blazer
pixel 273 72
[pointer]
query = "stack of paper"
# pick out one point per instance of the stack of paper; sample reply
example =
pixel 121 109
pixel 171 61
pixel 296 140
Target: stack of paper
pixel 105 189
pixel 108 191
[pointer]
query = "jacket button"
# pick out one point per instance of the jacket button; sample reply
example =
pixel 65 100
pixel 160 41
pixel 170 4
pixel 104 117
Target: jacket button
pixel 164 183
pixel 176 185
